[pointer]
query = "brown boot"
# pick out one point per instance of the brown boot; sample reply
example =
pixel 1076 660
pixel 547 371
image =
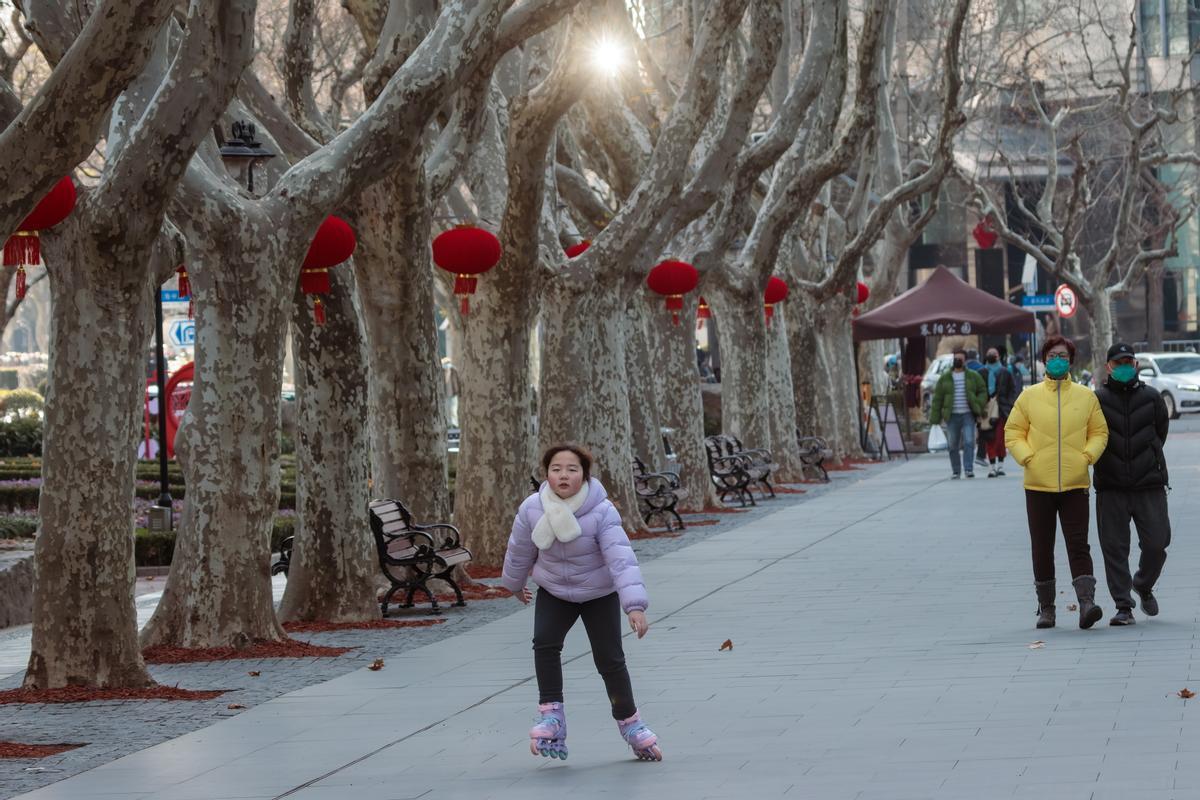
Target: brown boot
pixel 1045 596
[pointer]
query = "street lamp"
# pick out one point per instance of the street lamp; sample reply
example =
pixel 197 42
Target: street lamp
pixel 244 149
pixel 160 514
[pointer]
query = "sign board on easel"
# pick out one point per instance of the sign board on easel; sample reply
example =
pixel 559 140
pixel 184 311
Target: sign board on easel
pixel 893 436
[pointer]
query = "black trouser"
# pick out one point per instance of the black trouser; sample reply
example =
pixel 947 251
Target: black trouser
pixel 1045 510
pixel 552 618
pixel 1148 509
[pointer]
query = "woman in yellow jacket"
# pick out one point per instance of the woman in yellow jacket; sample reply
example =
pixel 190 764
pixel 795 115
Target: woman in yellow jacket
pixel 1056 431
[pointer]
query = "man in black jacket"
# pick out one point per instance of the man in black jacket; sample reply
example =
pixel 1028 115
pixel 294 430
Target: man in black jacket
pixel 1131 483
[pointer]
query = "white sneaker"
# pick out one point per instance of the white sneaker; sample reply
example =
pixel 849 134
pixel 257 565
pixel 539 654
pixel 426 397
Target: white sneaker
pixel 992 472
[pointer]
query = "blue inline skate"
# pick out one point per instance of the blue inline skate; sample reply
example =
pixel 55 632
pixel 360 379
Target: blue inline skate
pixel 640 738
pixel 549 736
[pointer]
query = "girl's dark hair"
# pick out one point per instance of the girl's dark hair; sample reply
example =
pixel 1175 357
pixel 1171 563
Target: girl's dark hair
pixel 1055 341
pixel 585 456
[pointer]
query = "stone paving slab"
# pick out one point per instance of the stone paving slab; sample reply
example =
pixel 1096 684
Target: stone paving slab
pixel 881 650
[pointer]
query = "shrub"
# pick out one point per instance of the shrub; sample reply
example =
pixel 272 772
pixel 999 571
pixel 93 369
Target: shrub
pixel 18 527
pixel 156 548
pixel 9 378
pixel 20 402
pixel 21 437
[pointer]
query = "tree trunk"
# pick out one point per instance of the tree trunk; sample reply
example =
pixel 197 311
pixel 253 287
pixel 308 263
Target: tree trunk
pixel 333 567
pixel 585 386
pixel 744 411
pixel 1155 327
pixel 644 369
pixel 683 408
pixel 1101 318
pixel 843 402
pixel 496 458
pixel 785 447
pixel 407 397
pixel 84 620
pixel 218 593
pixel 809 382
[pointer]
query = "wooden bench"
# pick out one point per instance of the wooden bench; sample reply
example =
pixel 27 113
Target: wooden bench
pixel 658 493
pixel 813 452
pixel 758 462
pixel 285 557
pixel 730 474
pixel 411 554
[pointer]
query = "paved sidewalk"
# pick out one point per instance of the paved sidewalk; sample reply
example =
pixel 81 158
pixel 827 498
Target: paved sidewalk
pixel 881 650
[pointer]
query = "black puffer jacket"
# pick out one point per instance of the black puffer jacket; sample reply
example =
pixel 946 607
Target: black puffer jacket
pixel 1137 428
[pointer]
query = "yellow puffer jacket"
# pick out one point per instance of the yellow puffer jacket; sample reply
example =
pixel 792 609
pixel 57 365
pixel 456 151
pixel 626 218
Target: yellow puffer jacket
pixel 1056 430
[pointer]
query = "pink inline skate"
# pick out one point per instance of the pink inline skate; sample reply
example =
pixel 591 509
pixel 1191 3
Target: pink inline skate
pixel 549 736
pixel 640 738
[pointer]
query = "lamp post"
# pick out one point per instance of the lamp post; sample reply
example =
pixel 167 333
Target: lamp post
pixel 244 149
pixel 162 519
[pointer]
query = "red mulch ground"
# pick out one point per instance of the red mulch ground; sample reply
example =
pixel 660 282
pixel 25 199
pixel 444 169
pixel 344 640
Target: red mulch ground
pixel 290 648
pixel 17 750
pixel 325 627
pixel 484 572
pixel 788 490
pixel 700 523
pixel 726 510
pixel 655 533
pixel 845 465
pixel 83 694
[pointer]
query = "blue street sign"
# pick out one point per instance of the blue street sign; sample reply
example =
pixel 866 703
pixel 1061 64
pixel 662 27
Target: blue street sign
pixel 1037 301
pixel 171 296
pixel 182 332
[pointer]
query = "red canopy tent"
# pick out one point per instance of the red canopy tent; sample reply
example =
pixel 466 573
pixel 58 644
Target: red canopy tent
pixel 944 305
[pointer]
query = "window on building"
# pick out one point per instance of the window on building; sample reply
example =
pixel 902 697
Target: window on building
pixel 1150 25
pixel 1179 13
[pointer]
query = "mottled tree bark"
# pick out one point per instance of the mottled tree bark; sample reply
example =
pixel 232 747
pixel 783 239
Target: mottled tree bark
pixel 781 402
pixel 644 369
pixel 806 365
pixel 743 333
pixel 333 568
pixel 407 419
pixel 85 624
pixel 683 409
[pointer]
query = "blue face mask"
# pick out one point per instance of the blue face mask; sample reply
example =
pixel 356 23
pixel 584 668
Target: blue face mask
pixel 1124 373
pixel 1057 367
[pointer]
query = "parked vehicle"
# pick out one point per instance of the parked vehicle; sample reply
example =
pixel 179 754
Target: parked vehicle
pixel 934 371
pixel 1177 378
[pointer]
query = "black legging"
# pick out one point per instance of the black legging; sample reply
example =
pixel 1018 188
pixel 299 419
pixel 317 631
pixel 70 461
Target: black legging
pixel 552 618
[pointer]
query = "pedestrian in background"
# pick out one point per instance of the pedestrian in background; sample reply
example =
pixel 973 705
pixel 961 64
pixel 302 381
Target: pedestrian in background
pixel 959 398
pixel 1056 431
pixel 1131 483
pixel 1002 394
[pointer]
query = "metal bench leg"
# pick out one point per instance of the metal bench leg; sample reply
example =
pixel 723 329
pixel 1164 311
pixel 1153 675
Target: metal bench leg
pixel 408 600
pixel 387 598
pixel 678 519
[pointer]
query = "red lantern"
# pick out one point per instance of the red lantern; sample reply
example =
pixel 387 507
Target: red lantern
pixel 673 279
pixel 703 313
pixel 333 245
pixel 984 235
pixel 862 293
pixel 776 292
pixel 184 286
pixel 577 249
pixel 24 246
pixel 467 252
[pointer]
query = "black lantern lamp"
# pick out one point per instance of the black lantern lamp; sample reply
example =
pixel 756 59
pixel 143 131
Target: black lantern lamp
pixel 244 149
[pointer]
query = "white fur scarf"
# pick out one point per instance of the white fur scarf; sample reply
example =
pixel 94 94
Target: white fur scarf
pixel 558 517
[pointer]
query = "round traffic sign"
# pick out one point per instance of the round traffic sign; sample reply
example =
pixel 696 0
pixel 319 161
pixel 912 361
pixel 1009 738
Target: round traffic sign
pixel 1065 302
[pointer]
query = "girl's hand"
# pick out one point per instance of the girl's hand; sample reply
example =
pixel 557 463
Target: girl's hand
pixel 637 623
pixel 524 596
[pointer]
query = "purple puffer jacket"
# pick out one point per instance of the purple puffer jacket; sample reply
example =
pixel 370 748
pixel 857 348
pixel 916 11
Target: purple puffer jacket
pixel 596 564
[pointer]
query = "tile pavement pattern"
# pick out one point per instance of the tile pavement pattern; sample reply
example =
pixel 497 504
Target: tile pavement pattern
pixel 115 729
pixel 880 636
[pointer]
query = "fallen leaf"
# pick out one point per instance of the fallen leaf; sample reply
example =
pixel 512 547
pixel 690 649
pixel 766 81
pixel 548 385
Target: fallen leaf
pixel 1186 694
pixel 376 665
pixel 234 706
pixel 726 645
pixel 1072 607
pixel 254 673
pixel 1038 645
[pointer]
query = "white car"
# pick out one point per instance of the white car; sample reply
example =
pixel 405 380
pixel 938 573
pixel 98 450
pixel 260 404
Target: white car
pixel 934 371
pixel 1177 378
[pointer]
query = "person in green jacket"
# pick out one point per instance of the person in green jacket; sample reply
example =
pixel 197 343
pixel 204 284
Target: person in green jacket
pixel 959 398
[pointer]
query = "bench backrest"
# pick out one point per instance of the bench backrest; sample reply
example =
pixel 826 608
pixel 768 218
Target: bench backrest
pixel 389 522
